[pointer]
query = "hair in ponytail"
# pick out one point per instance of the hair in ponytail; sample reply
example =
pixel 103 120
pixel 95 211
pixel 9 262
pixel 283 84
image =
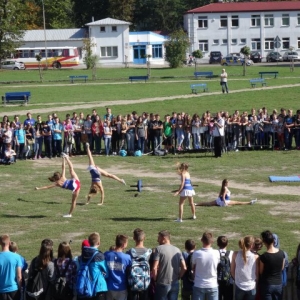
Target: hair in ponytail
pixel 245 244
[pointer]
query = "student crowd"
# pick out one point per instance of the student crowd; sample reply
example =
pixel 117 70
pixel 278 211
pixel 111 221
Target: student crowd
pixel 36 138
pixel 205 273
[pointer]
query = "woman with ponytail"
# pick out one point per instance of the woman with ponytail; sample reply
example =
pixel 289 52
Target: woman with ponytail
pixel 244 269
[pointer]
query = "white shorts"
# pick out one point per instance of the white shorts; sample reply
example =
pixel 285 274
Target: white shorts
pixel 220 202
pixel 187 193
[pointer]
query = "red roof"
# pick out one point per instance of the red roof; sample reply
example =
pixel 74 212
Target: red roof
pixel 230 7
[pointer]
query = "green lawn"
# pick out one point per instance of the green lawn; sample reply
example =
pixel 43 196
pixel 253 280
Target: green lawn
pixel 29 215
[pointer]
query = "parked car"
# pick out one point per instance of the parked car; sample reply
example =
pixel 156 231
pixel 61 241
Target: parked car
pixel 238 54
pixel 274 56
pixel 255 56
pixel 289 55
pixel 215 57
pixel 12 65
pixel 231 60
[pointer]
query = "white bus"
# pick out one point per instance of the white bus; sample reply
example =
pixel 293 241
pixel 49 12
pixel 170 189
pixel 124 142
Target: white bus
pixel 57 57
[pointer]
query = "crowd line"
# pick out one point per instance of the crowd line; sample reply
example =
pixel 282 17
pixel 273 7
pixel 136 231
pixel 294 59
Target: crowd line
pixel 36 138
pixel 162 272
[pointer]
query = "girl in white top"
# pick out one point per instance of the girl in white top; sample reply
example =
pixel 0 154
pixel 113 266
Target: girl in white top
pixel 244 269
pixel 224 198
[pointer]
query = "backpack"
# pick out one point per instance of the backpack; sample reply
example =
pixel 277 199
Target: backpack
pixel 35 286
pixel 189 267
pixel 61 291
pixel 85 285
pixel 139 273
pixel 223 268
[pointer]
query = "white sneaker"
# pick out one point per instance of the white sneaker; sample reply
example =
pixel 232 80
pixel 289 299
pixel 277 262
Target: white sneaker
pixel 178 220
pixel 253 201
pixel 67 216
pixel 64 155
pixel 194 217
pixel 123 181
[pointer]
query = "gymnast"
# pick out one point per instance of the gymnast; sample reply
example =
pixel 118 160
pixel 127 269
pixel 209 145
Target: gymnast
pixel 224 198
pixel 60 180
pixel 185 190
pixel 96 172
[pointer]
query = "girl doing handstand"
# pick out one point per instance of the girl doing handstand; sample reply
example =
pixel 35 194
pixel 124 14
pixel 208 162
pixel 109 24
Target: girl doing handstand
pixel 60 180
pixel 96 173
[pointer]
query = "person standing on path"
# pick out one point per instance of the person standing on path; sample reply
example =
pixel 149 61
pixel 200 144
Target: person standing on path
pixel 224 81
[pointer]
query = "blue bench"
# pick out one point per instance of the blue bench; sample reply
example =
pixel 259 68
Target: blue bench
pixel 137 78
pixel 12 97
pixel 254 81
pixel 74 77
pixel 275 73
pixel 199 86
pixel 203 74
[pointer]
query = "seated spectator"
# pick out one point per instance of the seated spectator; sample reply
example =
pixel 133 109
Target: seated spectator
pixel 9 155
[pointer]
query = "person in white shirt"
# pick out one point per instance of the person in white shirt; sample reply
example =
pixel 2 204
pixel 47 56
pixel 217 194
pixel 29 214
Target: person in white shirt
pixel 224 81
pixel 218 133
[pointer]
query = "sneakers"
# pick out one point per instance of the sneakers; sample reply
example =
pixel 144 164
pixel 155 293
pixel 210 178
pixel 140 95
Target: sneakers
pixel 64 155
pixel 123 181
pixel 67 216
pixel 253 201
pixel 194 217
pixel 178 220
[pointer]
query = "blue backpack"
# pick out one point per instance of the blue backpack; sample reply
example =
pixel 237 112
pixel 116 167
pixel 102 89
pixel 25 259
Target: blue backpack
pixel 85 284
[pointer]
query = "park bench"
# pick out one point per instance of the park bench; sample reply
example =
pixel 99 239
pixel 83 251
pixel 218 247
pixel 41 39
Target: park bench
pixel 137 78
pixel 254 81
pixel 13 97
pixel 199 87
pixel 203 74
pixel 275 73
pixel 74 77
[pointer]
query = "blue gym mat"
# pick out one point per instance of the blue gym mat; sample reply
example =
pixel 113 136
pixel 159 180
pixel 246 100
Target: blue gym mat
pixel 295 178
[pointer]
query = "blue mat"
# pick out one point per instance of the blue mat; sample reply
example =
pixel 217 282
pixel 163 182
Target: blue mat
pixel 295 178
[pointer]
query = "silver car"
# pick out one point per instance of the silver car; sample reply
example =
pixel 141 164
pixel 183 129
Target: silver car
pixel 12 65
pixel 289 55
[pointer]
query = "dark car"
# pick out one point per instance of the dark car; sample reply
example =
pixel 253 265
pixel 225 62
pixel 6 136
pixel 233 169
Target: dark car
pixel 215 57
pixel 255 56
pixel 274 57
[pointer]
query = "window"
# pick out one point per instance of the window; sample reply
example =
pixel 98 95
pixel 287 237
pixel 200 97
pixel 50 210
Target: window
pixel 269 44
pixel 216 42
pixel 285 43
pixel 255 20
pixel 269 20
pixel 157 51
pixel 224 41
pixel 203 45
pixel 235 21
pixel 298 19
pixel 109 51
pixel 202 22
pixel 243 41
pixel 234 41
pixel 223 21
pixel 102 28
pixel 255 44
pixel 114 28
pixel 298 43
pixel 285 20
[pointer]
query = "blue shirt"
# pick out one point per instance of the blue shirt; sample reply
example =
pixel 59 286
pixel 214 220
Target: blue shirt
pixel 58 135
pixel 20 135
pixel 9 262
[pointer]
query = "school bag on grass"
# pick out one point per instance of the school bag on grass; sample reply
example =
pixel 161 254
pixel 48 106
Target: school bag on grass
pixel 35 286
pixel 223 269
pixel 139 273
pixel 61 291
pixel 85 285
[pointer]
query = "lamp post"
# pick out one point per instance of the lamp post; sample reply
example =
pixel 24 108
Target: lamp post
pixel 45 35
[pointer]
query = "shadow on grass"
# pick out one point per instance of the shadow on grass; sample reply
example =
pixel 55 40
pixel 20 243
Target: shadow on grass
pixel 188 156
pixel 23 200
pixel 28 217
pixel 129 219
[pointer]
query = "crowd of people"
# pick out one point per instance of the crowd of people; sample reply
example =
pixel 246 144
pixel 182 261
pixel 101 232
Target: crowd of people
pixel 147 133
pixel 150 273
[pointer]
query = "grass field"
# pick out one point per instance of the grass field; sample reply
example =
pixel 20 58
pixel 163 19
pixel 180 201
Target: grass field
pixel 29 215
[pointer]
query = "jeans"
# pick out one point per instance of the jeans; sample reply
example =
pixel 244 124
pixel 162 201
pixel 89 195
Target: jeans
pixel 57 147
pixel 167 291
pixel 244 295
pixel 205 293
pixel 130 141
pixel 224 87
pixel 38 146
pixel 141 143
pixel 271 292
pixel 107 145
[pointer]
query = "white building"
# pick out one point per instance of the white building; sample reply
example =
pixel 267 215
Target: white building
pixel 227 27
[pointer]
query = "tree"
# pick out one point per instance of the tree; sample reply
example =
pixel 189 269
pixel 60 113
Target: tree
pixel 197 54
pixel 11 27
pixel 176 48
pixel 246 51
pixel 121 9
pixel 89 58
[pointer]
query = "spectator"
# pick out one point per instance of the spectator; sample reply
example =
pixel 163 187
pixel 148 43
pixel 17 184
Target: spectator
pixel 140 134
pixel 218 133
pixel 20 135
pixel 168 268
pixel 29 120
pixel 58 130
pixel 224 81
pixel 39 138
pixel 9 155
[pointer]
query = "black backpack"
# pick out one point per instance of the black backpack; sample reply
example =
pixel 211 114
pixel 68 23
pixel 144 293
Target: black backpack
pixel 189 268
pixel 61 290
pixel 223 269
pixel 35 286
